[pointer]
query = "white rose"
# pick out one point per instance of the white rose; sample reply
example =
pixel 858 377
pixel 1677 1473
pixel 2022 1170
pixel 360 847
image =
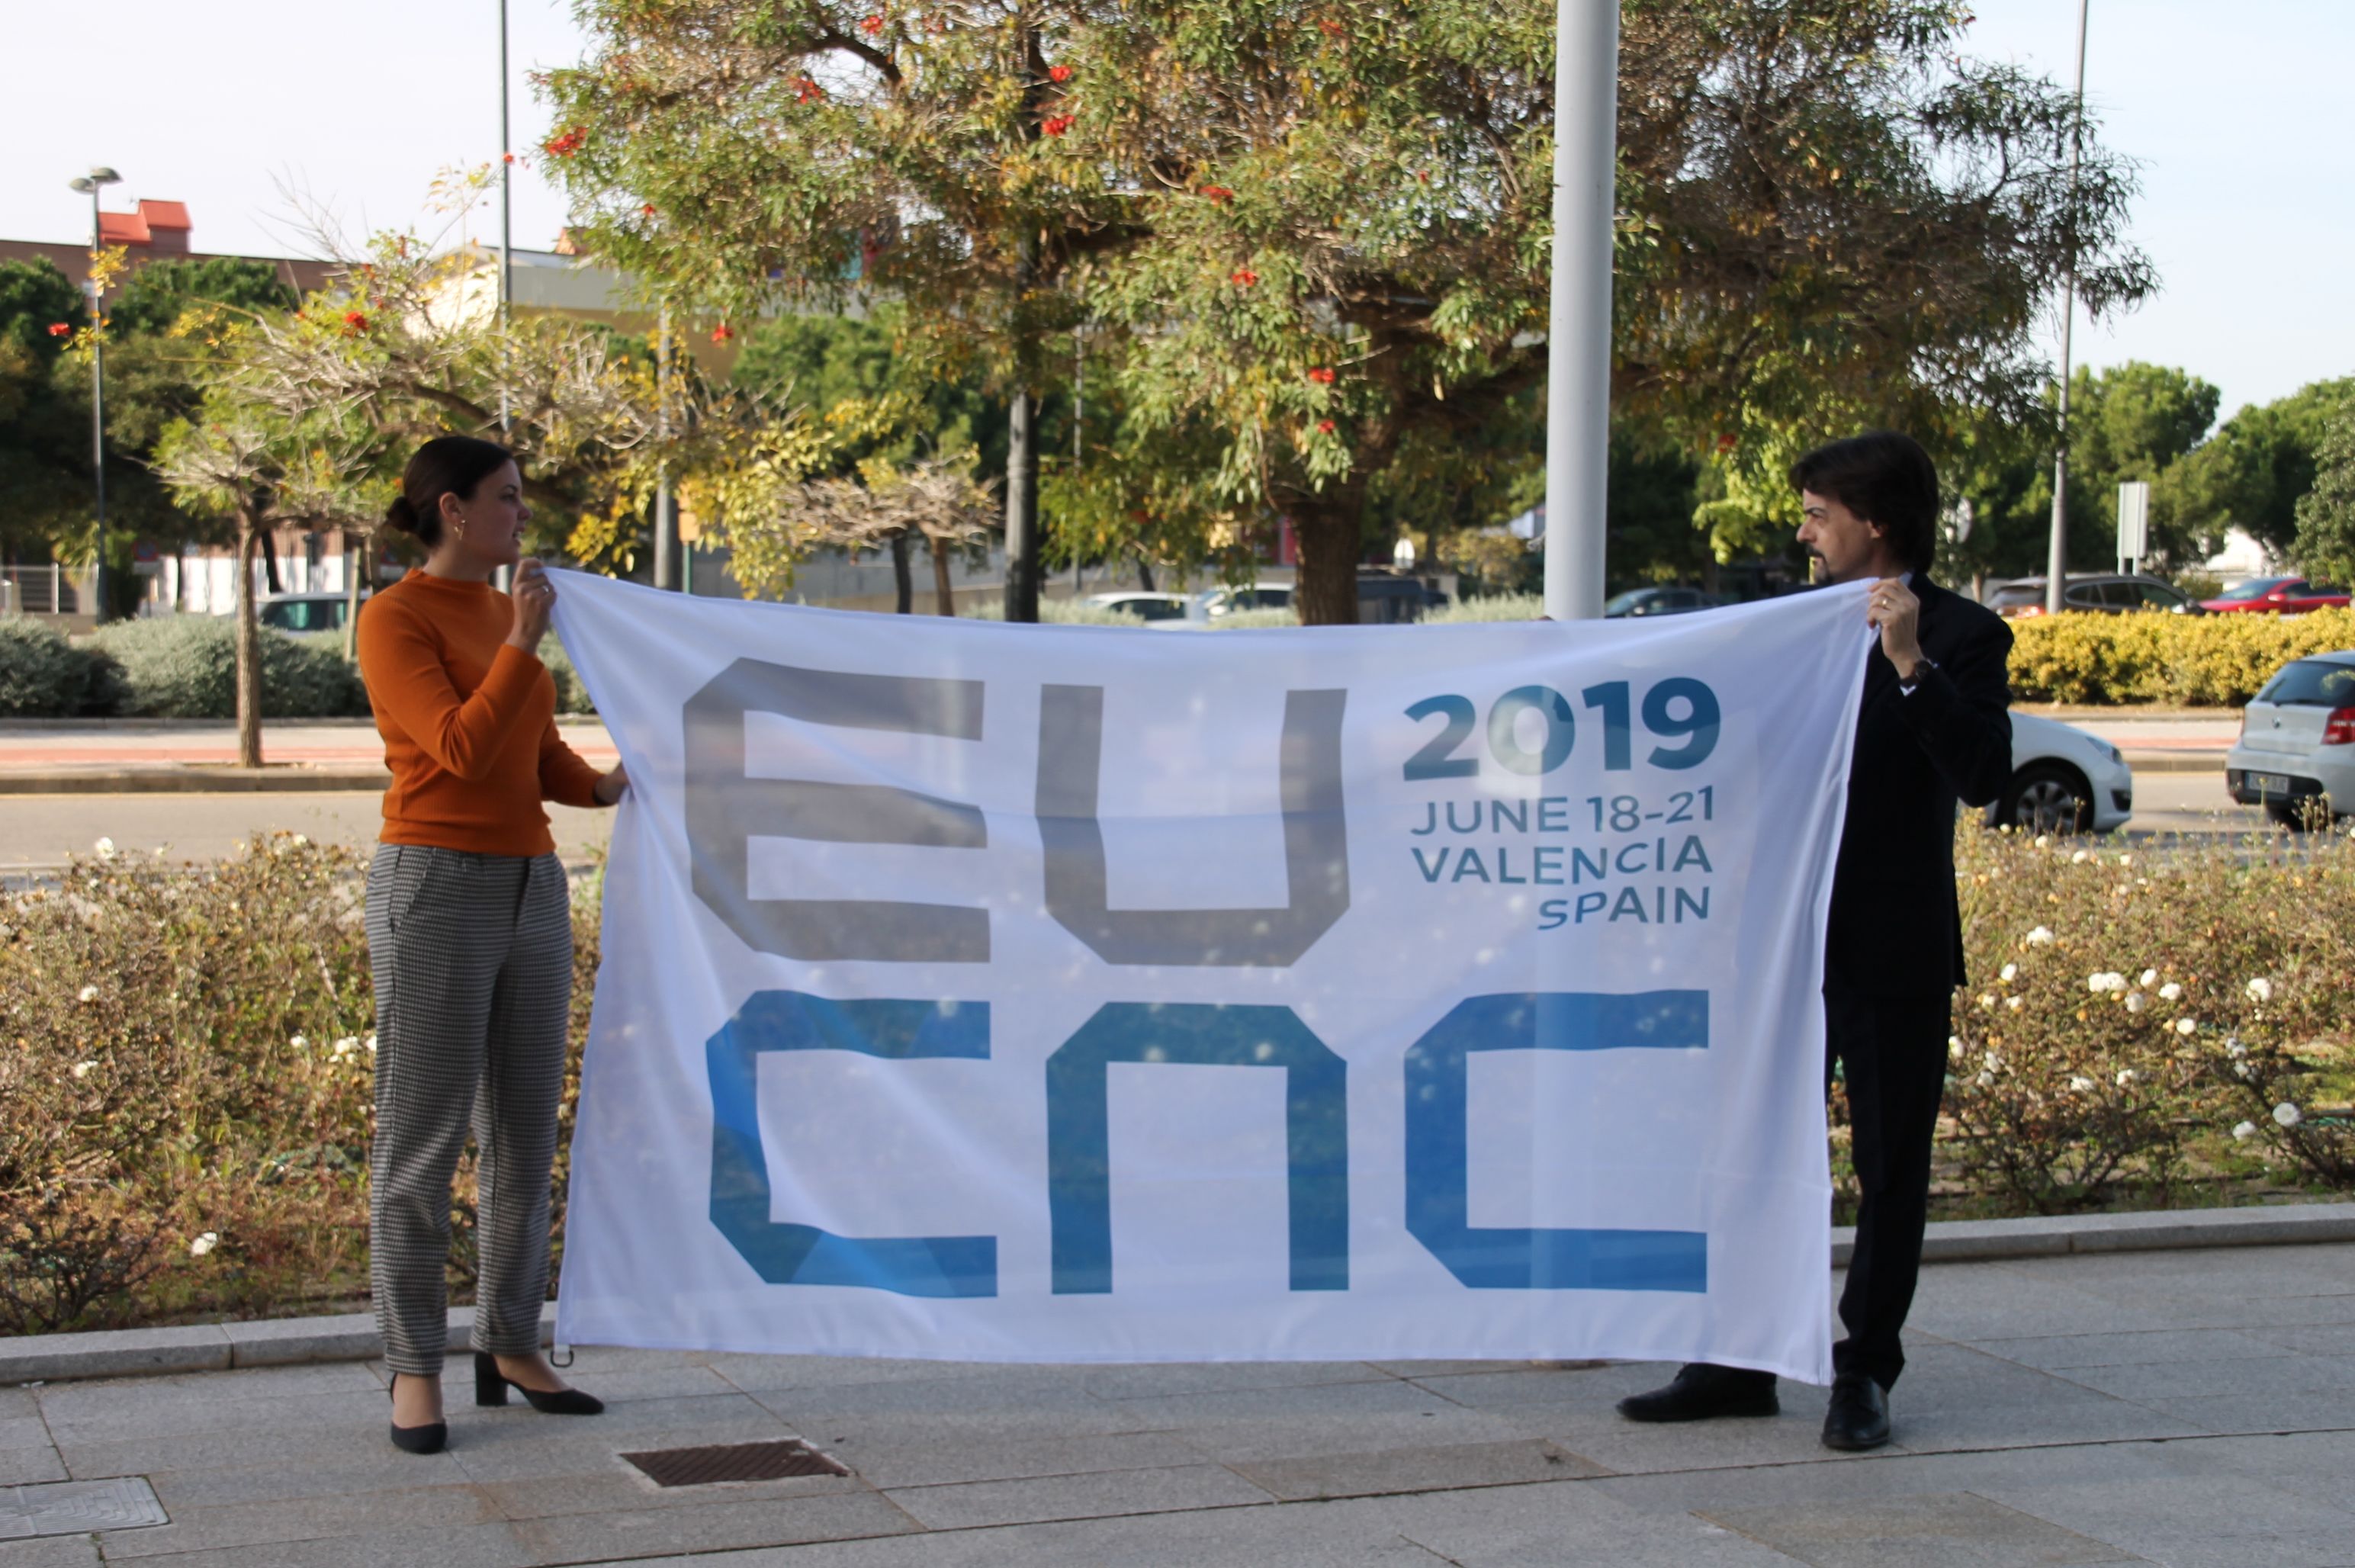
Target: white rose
pixel 2125 859
pixel 2186 1026
pixel 2233 1046
pixel 2008 973
pixel 2136 1001
pixel 2126 1076
pixel 2260 989
pixel 84 1068
pixel 1994 1063
pixel 2287 1115
pixel 2242 1071
pixel 204 1243
pixel 2170 992
pixel 106 848
pixel 2044 841
pixel 371 1045
pixel 2148 975
pixel 1986 1000
pixel 300 840
pixel 2041 937
pixel 2081 1084
pixel 2014 1003
pixel 2079 859
pixel 2246 1131
pixel 89 993
pixel 300 1043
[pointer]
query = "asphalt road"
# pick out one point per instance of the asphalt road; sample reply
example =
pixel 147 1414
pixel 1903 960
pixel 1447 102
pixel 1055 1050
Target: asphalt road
pixel 38 832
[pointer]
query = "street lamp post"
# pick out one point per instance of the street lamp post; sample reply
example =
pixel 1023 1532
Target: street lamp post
pixel 1578 335
pixel 90 184
pixel 2056 555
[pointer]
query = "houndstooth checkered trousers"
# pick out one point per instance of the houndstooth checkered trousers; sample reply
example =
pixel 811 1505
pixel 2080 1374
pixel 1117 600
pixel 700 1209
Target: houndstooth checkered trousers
pixel 473 960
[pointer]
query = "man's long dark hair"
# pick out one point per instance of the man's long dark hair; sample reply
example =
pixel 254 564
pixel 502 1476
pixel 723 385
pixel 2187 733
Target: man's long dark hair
pixel 1885 478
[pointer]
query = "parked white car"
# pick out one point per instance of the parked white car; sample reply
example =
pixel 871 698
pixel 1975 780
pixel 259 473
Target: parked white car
pixel 1145 607
pixel 2297 742
pixel 2063 781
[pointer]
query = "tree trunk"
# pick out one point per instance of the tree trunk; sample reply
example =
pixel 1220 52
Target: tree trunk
pixel 363 542
pixel 248 648
pixel 1326 528
pixel 944 596
pixel 269 561
pixel 1145 574
pixel 1022 507
pixel 903 582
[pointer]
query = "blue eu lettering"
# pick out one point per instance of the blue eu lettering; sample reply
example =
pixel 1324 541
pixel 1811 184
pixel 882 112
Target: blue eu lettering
pixel 1438 1178
pixel 804 1254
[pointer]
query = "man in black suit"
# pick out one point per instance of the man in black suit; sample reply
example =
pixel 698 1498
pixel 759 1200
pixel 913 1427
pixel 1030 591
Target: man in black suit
pixel 1934 727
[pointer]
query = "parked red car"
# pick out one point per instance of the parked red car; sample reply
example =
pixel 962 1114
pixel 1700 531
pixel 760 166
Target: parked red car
pixel 2278 596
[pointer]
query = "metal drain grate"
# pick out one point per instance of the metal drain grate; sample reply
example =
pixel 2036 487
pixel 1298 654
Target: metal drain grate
pixel 73 1508
pixel 734 1462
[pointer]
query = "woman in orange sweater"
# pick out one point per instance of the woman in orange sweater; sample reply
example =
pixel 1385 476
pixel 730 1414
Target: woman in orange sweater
pixel 469 936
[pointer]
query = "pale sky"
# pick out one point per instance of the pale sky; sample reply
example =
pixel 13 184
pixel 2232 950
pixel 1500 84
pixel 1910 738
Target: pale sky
pixel 2238 112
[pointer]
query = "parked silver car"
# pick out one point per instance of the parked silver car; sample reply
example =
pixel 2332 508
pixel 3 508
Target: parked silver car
pixel 2296 756
pixel 2063 781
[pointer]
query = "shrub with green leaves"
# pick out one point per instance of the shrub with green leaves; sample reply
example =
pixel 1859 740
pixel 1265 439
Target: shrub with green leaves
pixel 42 675
pixel 184 667
pixel 572 691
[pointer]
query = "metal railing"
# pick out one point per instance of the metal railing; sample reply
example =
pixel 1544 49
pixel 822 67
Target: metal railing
pixel 51 589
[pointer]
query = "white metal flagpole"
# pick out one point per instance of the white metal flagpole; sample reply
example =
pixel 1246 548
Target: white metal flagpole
pixel 1578 337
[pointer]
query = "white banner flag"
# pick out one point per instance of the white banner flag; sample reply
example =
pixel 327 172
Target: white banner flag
pixel 1065 993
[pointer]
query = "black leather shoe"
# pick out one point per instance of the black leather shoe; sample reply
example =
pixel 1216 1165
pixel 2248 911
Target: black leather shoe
pixel 491 1387
pixel 427 1439
pixel 1702 1392
pixel 1859 1416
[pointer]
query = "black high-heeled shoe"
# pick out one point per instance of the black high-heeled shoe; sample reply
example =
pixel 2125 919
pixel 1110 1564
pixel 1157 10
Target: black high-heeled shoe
pixel 430 1438
pixel 491 1387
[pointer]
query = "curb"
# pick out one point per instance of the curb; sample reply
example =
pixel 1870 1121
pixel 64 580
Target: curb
pixel 288 778
pixel 2176 1229
pixel 352 1336
pixel 214 1346
pixel 2177 762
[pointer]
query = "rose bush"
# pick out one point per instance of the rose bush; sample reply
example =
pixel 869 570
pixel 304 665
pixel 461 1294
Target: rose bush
pixel 186 1063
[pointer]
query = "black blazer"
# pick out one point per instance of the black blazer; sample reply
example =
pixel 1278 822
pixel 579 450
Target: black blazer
pixel 1896 924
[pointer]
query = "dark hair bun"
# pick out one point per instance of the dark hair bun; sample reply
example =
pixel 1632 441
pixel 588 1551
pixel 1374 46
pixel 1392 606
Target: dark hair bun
pixel 402 516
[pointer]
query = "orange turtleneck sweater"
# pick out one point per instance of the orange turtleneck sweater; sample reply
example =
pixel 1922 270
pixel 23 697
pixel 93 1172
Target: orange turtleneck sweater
pixel 469 723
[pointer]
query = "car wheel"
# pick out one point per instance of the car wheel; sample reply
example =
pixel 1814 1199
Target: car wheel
pixel 2046 797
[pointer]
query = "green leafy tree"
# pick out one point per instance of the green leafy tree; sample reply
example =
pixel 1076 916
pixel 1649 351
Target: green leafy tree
pixel 2260 463
pixel 741 152
pixel 44 446
pixel 1831 217
pixel 2324 544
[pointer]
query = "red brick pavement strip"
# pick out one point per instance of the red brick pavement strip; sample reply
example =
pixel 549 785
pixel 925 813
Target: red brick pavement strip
pixel 20 758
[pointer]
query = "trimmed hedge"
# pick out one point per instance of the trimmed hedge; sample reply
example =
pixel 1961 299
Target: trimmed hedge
pixel 2199 661
pixel 184 667
pixel 42 675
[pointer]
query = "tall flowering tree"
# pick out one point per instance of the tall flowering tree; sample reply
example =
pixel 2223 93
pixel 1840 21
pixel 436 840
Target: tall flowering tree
pixel 1830 214
pixel 751 156
pixel 1313 237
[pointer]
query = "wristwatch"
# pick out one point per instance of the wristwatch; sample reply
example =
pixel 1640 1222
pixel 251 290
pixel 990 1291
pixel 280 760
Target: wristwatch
pixel 1907 683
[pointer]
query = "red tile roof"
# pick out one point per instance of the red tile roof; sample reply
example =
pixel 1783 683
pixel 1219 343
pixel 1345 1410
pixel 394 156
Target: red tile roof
pixel 139 227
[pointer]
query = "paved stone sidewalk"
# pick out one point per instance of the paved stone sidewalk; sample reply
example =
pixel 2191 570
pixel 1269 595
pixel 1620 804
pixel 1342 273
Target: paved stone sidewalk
pixel 2185 1407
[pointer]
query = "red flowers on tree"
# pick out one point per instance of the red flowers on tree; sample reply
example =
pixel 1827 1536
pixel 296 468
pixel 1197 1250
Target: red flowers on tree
pixel 564 144
pixel 1056 125
pixel 871 25
pixel 1322 375
pixel 60 328
pixel 722 333
pixel 1329 27
pixel 1324 427
pixel 1217 193
pixel 647 210
pixel 356 322
pixel 1058 73
pixel 804 90
pixel 1242 277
